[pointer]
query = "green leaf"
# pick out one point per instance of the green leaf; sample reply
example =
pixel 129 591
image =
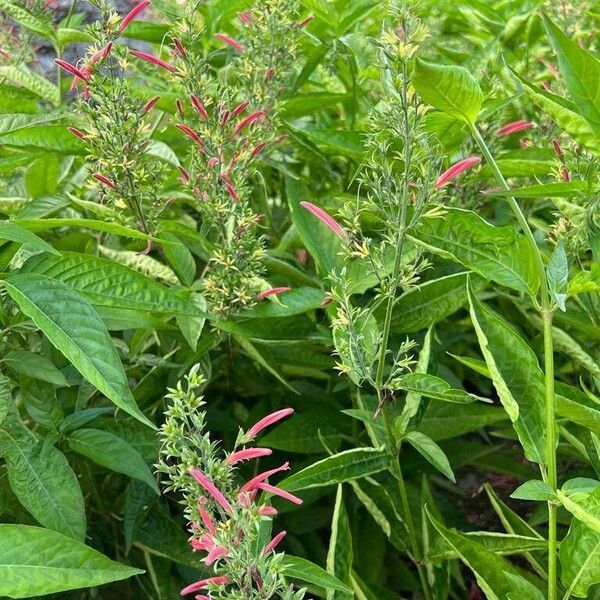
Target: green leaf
pixel 432 301
pixel 434 387
pixel 450 89
pixel 534 490
pixel 585 507
pixel 580 555
pixel 296 301
pixel 521 588
pixel 41 403
pixel 112 452
pixel 557 274
pixel 431 452
pixel 304 570
pixel 345 466
pixel 490 570
pixel 56 564
pixel 9 230
pixel 516 375
pixel 35 366
pixel 499 254
pixel 106 283
pixel 340 554
pixel 581 73
pixel 41 177
pixel 23 76
pixel 74 327
pixel 563 113
pixel 5 397
pixel 44 483
pixel 562 189
pixel 26 19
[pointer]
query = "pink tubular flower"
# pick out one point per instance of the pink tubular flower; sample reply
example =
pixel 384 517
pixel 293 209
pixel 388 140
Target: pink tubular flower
pixel 268 420
pixel 565 175
pixel 216 553
pixel 240 108
pixel 324 218
pixel 514 127
pixel 251 118
pixel 179 107
pixel 150 104
pixel 179 47
pixel 271 489
pixel 456 169
pixel 63 64
pixel 557 148
pixel 274 542
pixel 190 133
pixel 208 522
pixel 248 454
pixel 77 133
pixel 105 180
pixel 252 484
pixel 230 42
pixel 199 107
pixel 195 587
pixel 153 59
pixel 211 488
pixel 306 21
pixel 102 53
pixel 258 149
pixel 185 176
pixel 245 17
pixel 267 511
pixel 132 14
pixel 272 292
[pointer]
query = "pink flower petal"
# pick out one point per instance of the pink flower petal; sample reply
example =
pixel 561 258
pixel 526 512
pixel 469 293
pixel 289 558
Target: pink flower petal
pixel 253 483
pixel 153 59
pixel 268 420
pixel 514 127
pixel 211 488
pixel 194 587
pixel 230 42
pixel 456 169
pixel 132 14
pixel 274 542
pixel 248 454
pixel 324 218
pixel 271 489
pixel 272 292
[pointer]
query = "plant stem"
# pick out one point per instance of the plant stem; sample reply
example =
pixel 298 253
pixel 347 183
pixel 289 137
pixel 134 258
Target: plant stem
pixel 546 310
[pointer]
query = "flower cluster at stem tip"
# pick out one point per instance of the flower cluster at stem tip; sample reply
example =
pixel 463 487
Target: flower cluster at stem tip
pixel 230 522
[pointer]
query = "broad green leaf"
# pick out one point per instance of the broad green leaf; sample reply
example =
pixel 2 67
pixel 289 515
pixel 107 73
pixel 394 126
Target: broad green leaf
pixel 138 502
pixel 9 230
pixel 112 452
pixel 296 301
pixel 36 366
pixel 450 89
pixel 40 401
pixel 66 36
pixel 36 561
pixel 521 588
pixel 563 189
pixel 304 570
pixel 580 70
pixel 517 377
pixel 41 177
pixel 28 20
pixel 534 490
pixel 44 483
pixel 106 283
pixel 503 544
pixel 431 452
pixel 564 114
pixel 580 555
pixel 490 569
pixel 31 81
pixel 434 387
pixel 585 507
pixel 432 301
pixel 340 554
pixel 557 274
pixel 345 466
pixel 5 397
pixel 73 326
pixel 342 142
pixel 499 254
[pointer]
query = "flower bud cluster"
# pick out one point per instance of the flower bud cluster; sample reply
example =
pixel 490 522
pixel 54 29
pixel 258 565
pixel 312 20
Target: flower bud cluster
pixel 230 521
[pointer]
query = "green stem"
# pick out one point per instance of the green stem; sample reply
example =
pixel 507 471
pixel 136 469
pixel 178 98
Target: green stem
pixel 546 310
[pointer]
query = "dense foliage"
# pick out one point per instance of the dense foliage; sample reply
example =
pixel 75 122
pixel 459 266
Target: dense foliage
pixel 300 298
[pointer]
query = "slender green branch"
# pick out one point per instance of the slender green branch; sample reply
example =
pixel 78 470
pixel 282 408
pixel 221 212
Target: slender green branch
pixel 546 310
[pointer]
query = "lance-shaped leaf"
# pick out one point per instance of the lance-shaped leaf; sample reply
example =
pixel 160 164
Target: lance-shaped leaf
pixel 345 466
pixel 581 72
pixel 516 375
pixel 15 233
pixel 304 570
pixel 580 553
pixel 72 325
pixel 449 88
pixel 499 254
pixel 340 554
pixel 36 561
